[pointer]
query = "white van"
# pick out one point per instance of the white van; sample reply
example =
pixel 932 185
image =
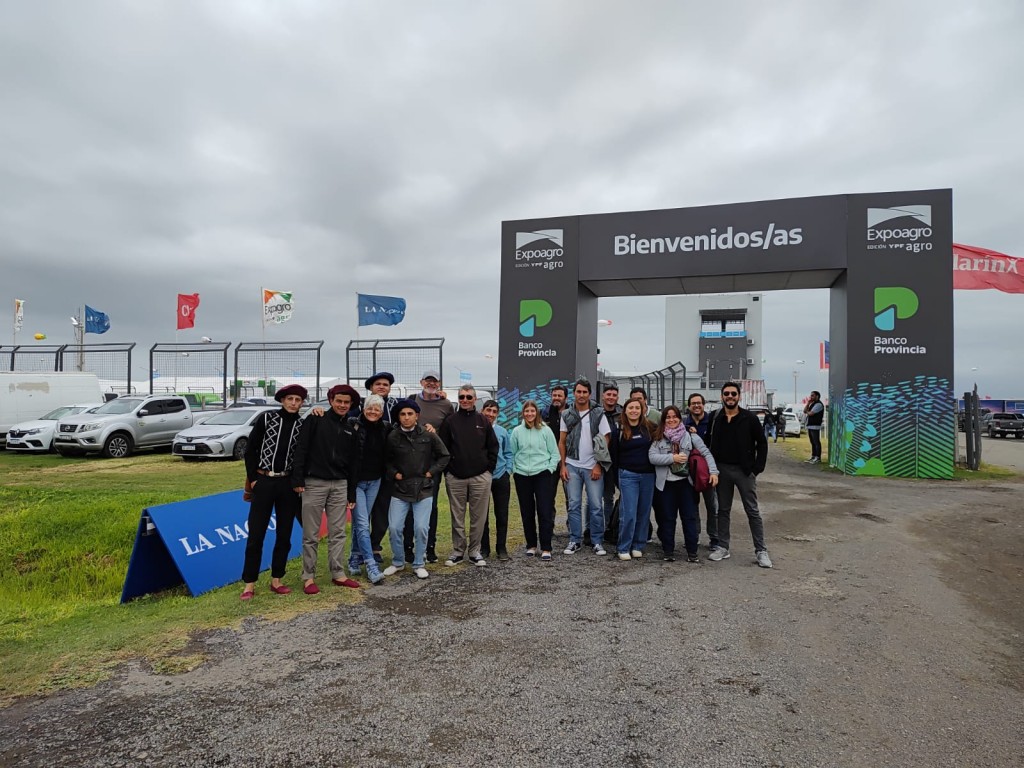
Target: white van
pixel 26 396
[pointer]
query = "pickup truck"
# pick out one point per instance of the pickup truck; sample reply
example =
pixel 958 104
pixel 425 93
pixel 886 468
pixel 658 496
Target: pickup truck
pixel 1004 424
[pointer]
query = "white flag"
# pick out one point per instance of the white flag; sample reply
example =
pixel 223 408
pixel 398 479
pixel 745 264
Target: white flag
pixel 19 314
pixel 277 307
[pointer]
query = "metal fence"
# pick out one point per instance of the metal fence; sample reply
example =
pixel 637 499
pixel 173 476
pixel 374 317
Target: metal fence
pixel 111 362
pixel 187 368
pixel 263 366
pixel 405 359
pixel 36 358
pixel 666 386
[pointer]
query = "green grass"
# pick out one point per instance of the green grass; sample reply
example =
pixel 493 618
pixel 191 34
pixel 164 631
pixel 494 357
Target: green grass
pixel 66 531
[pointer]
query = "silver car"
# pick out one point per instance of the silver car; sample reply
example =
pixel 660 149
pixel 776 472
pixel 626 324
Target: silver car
pixel 222 436
pixel 116 429
pixel 37 435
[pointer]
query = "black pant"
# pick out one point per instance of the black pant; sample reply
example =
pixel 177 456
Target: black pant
pixel 536 494
pixel 732 478
pixel 814 435
pixel 678 500
pixel 379 515
pixel 269 495
pixel 501 492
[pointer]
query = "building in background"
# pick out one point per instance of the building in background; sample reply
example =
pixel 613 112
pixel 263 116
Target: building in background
pixel 717 338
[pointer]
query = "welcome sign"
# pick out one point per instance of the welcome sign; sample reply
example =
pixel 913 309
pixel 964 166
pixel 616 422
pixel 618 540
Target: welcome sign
pixel 199 543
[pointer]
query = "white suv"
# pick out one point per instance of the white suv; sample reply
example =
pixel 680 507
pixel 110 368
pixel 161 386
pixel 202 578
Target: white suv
pixel 116 429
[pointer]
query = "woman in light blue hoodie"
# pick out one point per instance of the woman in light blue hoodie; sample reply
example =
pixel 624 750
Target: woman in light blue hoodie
pixel 671 447
pixel 534 464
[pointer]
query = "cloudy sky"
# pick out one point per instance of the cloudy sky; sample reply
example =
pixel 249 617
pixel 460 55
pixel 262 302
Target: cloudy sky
pixel 152 148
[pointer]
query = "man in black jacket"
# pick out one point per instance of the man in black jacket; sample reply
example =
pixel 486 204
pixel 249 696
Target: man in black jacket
pixel 736 440
pixel 415 459
pixel 470 439
pixel 325 475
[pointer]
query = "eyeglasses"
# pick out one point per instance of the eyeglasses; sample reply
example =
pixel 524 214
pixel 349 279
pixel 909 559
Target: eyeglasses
pixel 730 394
pixel 467 397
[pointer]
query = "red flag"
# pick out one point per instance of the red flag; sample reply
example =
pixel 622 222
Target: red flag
pixel 976 269
pixel 187 305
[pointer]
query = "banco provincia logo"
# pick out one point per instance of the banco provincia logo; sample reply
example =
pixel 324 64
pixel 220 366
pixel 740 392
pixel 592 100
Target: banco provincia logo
pixel 905 228
pixel 533 314
pixel 894 303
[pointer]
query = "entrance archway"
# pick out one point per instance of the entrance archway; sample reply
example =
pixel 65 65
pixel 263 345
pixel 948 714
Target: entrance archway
pixel 886 258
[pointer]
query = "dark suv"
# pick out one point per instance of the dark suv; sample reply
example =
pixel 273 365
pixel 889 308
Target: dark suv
pixel 1005 424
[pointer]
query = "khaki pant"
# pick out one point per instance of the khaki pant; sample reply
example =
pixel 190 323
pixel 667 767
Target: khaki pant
pixel 475 492
pixel 320 496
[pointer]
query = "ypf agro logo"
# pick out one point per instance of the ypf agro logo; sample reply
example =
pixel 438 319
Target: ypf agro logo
pixel 903 228
pixel 533 314
pixel 541 248
pixel 893 303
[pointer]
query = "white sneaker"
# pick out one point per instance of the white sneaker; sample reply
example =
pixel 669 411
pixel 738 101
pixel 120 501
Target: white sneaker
pixel 763 560
pixel 719 554
pixel 572 549
pixel 599 550
pixel 421 573
pixel 624 556
pixel 636 553
pixel 391 570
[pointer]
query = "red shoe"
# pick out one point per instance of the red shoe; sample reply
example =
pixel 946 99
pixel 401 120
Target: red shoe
pixel 311 589
pixel 282 590
pixel 345 583
pixel 247 594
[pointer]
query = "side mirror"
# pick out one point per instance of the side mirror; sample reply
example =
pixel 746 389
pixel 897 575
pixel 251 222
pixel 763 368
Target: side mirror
pixel 143 412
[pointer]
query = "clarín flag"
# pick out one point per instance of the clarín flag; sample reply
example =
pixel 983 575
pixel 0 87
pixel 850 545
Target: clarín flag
pixel 19 314
pixel 188 303
pixel 976 269
pixel 96 321
pixel 380 310
pixel 277 307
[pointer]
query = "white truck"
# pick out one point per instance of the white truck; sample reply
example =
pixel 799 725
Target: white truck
pixel 25 396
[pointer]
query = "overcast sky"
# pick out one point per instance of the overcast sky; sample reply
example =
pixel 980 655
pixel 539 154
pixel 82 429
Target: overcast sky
pixel 151 148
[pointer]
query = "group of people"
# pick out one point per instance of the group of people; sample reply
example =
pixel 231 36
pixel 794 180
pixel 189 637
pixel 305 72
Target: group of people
pixel 381 460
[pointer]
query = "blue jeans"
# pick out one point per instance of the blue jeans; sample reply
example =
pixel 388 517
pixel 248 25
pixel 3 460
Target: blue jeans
pixel 397 514
pixel 362 552
pixel 578 478
pixel 636 491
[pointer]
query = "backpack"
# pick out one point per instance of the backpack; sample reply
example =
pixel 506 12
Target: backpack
pixel 700 472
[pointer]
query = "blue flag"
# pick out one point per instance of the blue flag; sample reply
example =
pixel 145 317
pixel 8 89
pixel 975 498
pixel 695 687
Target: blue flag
pixel 380 310
pixel 96 321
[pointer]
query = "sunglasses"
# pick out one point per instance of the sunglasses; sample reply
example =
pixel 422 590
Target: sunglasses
pixel 467 397
pixel 730 394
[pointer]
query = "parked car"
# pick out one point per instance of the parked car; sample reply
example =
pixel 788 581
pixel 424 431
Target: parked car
pixel 116 429
pixel 37 435
pixel 222 436
pixel 250 402
pixel 29 396
pixel 1005 425
pixel 793 426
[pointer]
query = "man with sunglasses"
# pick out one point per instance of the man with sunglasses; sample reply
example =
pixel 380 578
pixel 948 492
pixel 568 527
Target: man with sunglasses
pixel 473 446
pixel 736 440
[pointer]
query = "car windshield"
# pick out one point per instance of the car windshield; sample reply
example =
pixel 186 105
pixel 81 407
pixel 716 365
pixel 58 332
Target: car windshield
pixel 64 410
pixel 1010 416
pixel 119 405
pixel 233 418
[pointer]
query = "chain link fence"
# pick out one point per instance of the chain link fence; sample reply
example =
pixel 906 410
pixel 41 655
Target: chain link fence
pixel 37 358
pixel 263 366
pixel 666 386
pixel 405 359
pixel 111 362
pixel 190 368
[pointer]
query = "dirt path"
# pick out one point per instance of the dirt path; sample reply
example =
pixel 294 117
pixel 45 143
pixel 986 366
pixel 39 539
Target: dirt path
pixel 889 633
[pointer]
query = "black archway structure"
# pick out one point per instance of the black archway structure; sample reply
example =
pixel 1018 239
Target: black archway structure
pixel 886 258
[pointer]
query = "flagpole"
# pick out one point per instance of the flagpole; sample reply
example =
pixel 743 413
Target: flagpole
pixel 263 337
pixel 80 332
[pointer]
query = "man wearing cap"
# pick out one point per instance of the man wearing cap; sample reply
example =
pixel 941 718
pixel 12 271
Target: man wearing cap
pixel 380 384
pixel 470 439
pixel 434 409
pixel 415 459
pixel 268 466
pixel 324 472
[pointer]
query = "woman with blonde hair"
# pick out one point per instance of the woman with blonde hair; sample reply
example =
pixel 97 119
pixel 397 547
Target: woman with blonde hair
pixel 535 460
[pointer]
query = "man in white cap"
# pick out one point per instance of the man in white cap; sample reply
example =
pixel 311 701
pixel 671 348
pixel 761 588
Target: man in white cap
pixel 434 409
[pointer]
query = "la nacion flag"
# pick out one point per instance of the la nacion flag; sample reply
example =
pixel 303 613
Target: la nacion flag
pixel 976 269
pixel 188 303
pixel 380 310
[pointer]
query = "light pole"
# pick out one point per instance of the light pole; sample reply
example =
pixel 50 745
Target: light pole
pixel 796 376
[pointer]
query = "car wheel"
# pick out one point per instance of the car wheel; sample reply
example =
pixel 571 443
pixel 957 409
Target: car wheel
pixel 990 433
pixel 238 452
pixel 118 446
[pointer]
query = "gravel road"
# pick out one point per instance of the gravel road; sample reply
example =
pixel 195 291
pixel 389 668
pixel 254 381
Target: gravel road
pixel 890 633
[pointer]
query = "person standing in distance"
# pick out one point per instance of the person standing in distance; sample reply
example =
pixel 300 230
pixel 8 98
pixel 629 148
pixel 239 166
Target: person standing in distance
pixel 268 467
pixel 815 411
pixel 501 487
pixel 737 441
pixel 580 469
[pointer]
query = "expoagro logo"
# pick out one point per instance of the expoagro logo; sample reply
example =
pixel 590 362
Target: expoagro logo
pixel 894 303
pixel 542 248
pixel 905 228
